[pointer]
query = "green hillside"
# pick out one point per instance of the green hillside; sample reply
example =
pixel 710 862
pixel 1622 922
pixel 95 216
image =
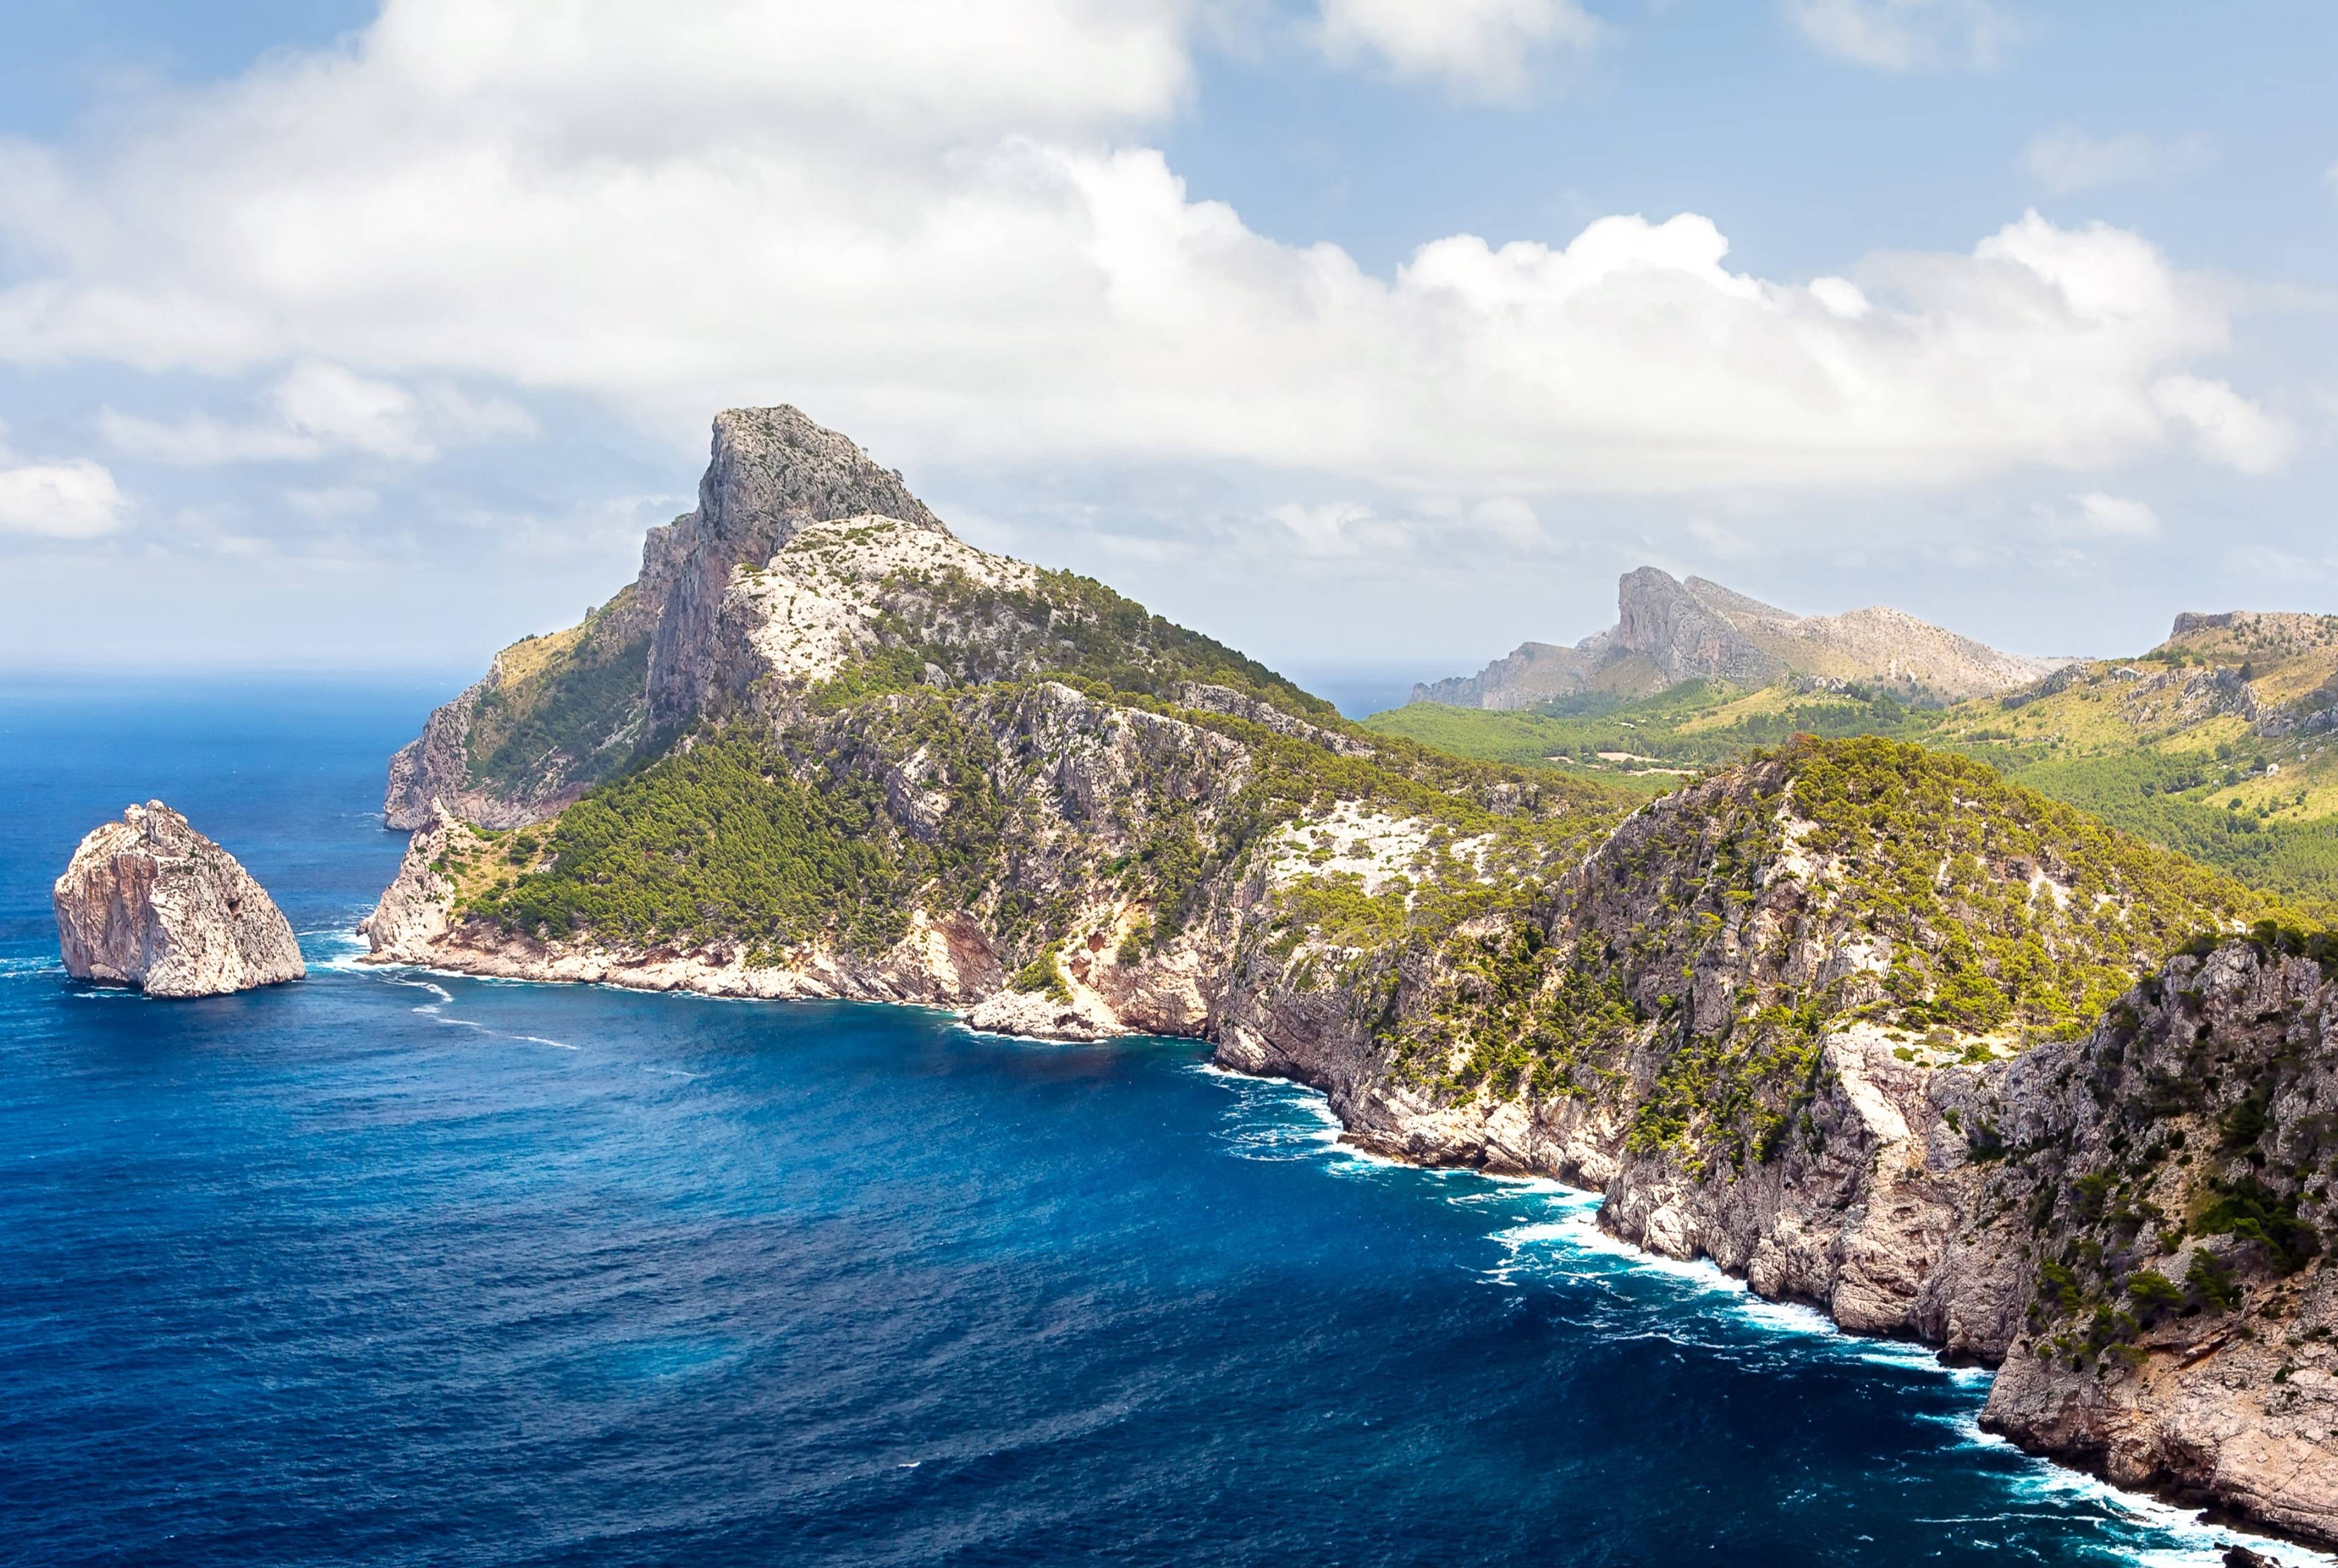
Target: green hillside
pixel 2212 744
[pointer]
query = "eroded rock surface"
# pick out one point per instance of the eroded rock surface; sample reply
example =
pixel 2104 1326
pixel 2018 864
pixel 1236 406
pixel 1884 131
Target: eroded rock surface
pixel 148 902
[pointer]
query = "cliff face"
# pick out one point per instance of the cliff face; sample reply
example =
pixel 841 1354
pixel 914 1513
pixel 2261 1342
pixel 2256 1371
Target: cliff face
pixel 2169 1179
pixel 148 902
pixel 771 471
pixel 1668 632
pixel 1688 634
pixel 555 715
pixel 1531 675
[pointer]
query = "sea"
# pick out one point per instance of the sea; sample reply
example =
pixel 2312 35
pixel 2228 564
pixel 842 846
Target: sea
pixel 388 1267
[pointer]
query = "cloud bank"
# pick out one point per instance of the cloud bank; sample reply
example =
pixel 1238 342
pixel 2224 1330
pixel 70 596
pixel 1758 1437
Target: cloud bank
pixel 936 225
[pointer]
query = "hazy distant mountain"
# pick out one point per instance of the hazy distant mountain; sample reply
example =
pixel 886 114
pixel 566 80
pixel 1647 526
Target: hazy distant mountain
pixel 1668 632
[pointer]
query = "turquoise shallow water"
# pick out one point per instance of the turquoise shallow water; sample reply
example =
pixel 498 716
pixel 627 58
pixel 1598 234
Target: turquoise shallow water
pixel 397 1268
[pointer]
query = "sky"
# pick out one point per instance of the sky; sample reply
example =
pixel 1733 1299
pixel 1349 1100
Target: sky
pixel 1371 336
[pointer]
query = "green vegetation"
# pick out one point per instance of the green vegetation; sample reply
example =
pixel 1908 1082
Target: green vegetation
pixel 1516 739
pixel 2249 1210
pixel 1751 1079
pixel 1991 909
pixel 568 708
pixel 1339 912
pixel 1043 974
pixel 2274 843
pixel 715 841
pixel 2154 746
pixel 1066 627
pixel 1693 726
pixel 1938 853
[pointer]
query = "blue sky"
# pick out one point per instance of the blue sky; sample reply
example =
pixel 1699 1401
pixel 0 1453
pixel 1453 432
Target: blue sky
pixel 331 336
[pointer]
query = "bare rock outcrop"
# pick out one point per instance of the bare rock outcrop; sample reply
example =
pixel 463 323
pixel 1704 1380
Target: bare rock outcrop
pixel 554 715
pixel 1668 632
pixel 2168 1178
pixel 771 471
pixel 148 902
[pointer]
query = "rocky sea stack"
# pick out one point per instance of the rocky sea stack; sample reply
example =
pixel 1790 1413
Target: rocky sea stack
pixel 149 902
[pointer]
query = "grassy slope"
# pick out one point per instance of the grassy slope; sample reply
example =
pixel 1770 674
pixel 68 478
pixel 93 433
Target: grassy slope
pixel 569 704
pixel 2264 810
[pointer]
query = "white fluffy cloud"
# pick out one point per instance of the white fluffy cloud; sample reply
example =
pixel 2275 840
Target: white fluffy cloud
pixel 2225 425
pixel 1907 34
pixel 2066 159
pixel 1477 48
pixel 674 208
pixel 316 410
pixel 72 500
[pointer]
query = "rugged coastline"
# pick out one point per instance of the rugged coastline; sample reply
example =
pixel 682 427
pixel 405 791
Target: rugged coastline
pixel 1873 1229
pixel 1861 1022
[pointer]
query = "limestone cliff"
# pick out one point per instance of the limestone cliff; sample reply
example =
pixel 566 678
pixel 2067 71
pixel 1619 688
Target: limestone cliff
pixel 148 902
pixel 1530 674
pixel 1668 632
pixel 2167 1182
pixel 554 715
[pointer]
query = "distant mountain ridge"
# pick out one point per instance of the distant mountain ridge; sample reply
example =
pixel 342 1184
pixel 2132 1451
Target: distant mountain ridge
pixel 1668 632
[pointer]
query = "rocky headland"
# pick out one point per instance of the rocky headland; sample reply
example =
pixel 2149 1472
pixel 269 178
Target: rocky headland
pixel 149 903
pixel 1860 1022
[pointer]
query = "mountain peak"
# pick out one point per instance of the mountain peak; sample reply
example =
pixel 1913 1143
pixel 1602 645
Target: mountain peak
pixel 804 562
pixel 1668 631
pixel 770 473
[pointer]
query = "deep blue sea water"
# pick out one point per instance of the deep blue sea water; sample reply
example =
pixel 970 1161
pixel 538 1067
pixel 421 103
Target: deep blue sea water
pixel 388 1267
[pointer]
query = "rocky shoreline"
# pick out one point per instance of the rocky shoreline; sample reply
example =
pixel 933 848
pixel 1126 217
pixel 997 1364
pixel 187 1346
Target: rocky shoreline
pixel 1881 1215
pixel 1845 1018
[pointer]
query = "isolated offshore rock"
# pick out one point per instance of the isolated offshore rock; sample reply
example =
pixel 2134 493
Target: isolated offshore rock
pixel 151 903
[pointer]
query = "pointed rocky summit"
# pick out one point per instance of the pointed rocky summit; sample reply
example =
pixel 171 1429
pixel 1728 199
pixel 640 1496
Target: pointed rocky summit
pixel 1668 632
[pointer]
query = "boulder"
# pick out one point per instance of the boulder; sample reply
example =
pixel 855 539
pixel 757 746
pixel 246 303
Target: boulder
pixel 149 902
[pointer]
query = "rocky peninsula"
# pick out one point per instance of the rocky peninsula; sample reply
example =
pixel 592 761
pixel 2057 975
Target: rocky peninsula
pixel 149 903
pixel 1859 1021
